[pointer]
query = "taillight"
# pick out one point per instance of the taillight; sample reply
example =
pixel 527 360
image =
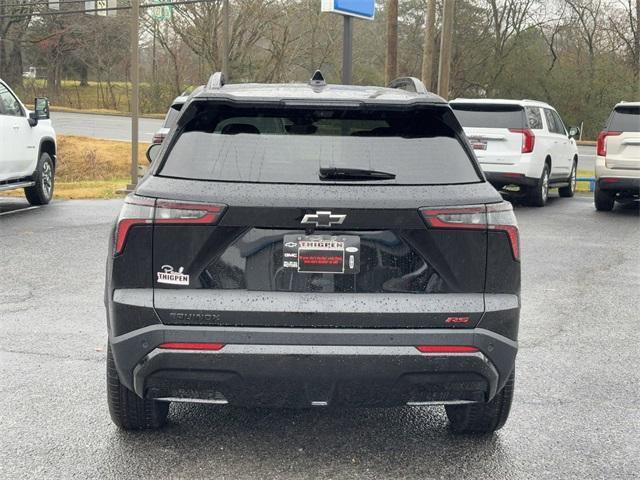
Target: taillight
pixel 528 139
pixel 158 138
pixel 495 216
pixel 447 349
pixel 500 217
pixel 601 147
pixel 168 211
pixel 135 211
pixel 474 217
pixel 145 211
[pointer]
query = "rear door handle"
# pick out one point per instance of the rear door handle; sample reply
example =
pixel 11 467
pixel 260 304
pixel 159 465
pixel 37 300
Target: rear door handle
pixel 16 127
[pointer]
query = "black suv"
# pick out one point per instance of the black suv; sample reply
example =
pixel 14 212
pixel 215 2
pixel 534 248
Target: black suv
pixel 310 245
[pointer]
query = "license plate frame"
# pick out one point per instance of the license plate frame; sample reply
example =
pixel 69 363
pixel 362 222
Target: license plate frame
pixel 336 254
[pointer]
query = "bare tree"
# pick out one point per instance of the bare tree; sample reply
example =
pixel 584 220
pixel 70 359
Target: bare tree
pixel 14 20
pixel 200 27
pixel 589 15
pixel 626 28
pixel 508 19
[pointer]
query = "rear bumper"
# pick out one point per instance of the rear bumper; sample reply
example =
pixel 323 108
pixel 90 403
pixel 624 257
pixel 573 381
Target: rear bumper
pixel 303 367
pixel 619 184
pixel 501 179
pixel 616 179
pixel 527 166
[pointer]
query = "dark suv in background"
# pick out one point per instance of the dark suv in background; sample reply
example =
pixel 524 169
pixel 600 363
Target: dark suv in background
pixel 311 245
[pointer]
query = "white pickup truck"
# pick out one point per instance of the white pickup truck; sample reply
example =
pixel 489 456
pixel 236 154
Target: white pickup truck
pixel 27 147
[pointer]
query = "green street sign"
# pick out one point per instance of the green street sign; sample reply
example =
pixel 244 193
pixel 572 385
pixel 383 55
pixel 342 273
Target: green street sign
pixel 160 13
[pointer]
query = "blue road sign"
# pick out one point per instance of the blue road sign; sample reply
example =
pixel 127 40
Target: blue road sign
pixel 354 8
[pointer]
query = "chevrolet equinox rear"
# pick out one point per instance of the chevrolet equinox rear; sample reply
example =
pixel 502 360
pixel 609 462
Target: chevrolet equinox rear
pixel 312 245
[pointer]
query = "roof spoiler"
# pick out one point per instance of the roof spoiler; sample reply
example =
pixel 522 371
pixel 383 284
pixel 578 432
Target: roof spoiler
pixel 410 84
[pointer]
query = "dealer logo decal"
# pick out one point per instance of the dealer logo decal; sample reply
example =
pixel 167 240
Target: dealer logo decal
pixel 168 275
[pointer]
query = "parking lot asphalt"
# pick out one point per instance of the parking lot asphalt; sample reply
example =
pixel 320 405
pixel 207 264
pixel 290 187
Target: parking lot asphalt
pixel 575 413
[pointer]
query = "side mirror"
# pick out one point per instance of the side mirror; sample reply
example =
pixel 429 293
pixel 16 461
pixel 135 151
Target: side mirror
pixel 41 108
pixel 574 132
pixel 153 151
pixel 33 119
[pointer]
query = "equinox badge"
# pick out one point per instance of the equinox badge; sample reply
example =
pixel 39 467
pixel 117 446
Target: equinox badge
pixel 323 219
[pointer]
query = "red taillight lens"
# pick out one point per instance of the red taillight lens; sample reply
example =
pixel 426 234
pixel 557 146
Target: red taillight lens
pixel 528 139
pixel 135 211
pixel 447 349
pixel 497 216
pixel 141 210
pixel 601 148
pixel 473 217
pixel 500 217
pixel 158 138
pixel 192 346
pixel 179 212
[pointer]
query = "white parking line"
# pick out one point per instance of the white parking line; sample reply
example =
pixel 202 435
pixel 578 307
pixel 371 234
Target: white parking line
pixel 19 210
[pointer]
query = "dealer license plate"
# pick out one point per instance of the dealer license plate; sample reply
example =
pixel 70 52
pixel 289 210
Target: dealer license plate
pixel 322 253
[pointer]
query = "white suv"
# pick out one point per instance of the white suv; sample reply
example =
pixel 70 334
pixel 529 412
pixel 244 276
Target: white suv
pixel 27 147
pixel 523 143
pixel 618 157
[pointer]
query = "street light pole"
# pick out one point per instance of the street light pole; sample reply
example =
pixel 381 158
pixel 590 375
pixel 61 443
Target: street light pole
pixel 225 39
pixel 347 50
pixel 135 90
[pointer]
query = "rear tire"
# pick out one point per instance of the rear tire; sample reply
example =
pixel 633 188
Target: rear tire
pixel 42 192
pixel 569 190
pixel 604 200
pixel 483 417
pixel 128 411
pixel 539 193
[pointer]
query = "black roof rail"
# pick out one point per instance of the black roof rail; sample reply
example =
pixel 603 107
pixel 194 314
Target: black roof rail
pixel 216 80
pixel 411 84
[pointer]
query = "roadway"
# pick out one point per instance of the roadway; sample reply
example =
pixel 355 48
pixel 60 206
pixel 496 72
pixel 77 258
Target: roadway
pixel 108 127
pixel 575 413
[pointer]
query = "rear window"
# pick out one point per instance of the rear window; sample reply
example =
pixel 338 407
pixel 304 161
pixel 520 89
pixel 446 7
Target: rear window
pixel 172 116
pixel 484 115
pixel 291 145
pixel 625 119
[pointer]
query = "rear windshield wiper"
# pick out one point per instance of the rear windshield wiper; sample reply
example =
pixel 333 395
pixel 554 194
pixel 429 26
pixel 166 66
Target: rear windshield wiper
pixel 338 173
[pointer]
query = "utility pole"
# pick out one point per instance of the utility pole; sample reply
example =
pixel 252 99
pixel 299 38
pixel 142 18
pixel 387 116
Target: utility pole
pixel 347 50
pixel 391 64
pixel 135 90
pixel 225 39
pixel 637 48
pixel 446 46
pixel 428 48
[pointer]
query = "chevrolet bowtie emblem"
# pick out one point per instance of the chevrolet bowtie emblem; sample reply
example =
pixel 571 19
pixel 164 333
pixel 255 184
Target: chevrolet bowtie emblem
pixel 323 219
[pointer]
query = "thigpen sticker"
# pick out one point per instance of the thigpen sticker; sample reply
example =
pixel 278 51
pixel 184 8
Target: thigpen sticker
pixel 168 275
